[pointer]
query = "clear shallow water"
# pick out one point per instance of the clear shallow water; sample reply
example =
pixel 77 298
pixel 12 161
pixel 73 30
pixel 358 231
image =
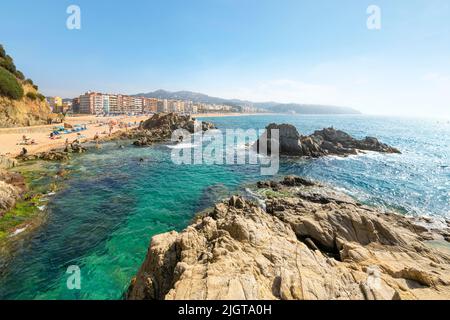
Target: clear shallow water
pixel 112 205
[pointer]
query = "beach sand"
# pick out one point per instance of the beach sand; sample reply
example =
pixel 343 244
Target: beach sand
pixel 10 137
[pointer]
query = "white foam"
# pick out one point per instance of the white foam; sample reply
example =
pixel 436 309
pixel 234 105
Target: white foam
pixel 18 231
pixel 256 197
pixel 182 146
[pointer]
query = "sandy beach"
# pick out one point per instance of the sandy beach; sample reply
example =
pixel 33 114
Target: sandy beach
pixel 10 138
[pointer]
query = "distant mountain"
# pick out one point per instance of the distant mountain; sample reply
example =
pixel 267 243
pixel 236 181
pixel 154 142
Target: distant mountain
pixel 192 96
pixel 275 107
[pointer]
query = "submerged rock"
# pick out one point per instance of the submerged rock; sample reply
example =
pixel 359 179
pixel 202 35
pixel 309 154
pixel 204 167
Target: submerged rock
pixel 321 143
pixel 311 243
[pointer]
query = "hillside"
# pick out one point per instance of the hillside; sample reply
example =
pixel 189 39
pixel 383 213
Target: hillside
pixel 21 104
pixel 268 106
pixel 192 96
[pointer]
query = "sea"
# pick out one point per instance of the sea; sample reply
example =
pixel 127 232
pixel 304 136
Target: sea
pixel 118 197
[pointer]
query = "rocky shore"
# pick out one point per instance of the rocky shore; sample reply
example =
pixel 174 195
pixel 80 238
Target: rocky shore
pixel 156 129
pixel 305 241
pixel 325 142
pixel 12 187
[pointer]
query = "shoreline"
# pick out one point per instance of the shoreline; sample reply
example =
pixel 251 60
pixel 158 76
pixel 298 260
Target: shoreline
pixel 320 235
pixel 10 137
pixel 29 231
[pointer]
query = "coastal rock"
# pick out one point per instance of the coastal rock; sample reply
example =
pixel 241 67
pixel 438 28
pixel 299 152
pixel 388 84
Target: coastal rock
pixel 8 197
pixel 300 248
pixel 161 126
pixel 321 143
pixel 12 185
pixel 47 156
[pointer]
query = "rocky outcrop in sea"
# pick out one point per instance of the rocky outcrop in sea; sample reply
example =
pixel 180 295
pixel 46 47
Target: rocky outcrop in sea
pixel 321 143
pixel 161 126
pixel 307 241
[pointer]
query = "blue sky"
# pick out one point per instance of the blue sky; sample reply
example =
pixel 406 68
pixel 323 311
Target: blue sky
pixel 317 51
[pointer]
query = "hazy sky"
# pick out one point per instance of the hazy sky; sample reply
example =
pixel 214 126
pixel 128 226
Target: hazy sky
pixel 317 51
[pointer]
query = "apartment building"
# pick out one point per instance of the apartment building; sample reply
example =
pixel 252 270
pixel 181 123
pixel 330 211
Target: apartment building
pixel 163 105
pixel 87 103
pixel 150 105
pixel 138 105
pixel 100 103
pixel 113 104
pixel 76 105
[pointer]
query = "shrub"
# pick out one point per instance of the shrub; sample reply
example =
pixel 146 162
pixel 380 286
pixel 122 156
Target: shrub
pixel 19 75
pixel 35 87
pixel 9 86
pixel 8 63
pixel 2 51
pixel 40 97
pixel 29 81
pixel 32 96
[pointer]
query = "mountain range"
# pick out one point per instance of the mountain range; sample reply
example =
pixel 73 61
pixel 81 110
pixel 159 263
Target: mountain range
pixel 268 106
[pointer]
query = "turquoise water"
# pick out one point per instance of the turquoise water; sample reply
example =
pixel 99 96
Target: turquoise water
pixel 113 203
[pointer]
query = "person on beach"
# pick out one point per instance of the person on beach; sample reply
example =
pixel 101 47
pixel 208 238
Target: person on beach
pixel 96 138
pixel 66 149
pixel 24 152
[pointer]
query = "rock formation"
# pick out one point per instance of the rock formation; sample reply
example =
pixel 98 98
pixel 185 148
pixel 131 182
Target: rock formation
pixel 321 143
pixel 50 155
pixel 311 242
pixel 12 185
pixel 161 126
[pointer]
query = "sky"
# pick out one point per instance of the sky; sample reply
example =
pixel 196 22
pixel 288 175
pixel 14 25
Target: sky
pixel 315 51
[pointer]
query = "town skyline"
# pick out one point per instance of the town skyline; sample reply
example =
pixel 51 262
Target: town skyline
pixel 258 51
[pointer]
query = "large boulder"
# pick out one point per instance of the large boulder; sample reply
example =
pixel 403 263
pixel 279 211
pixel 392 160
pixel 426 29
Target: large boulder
pixel 161 126
pixel 310 243
pixel 335 138
pixel 173 121
pixel 321 143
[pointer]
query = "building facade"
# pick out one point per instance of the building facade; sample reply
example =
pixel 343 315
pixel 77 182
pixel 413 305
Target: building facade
pixel 101 103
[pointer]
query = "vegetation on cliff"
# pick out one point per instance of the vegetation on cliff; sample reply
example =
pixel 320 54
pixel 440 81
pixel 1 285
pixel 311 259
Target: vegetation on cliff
pixel 20 102
pixel 9 86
